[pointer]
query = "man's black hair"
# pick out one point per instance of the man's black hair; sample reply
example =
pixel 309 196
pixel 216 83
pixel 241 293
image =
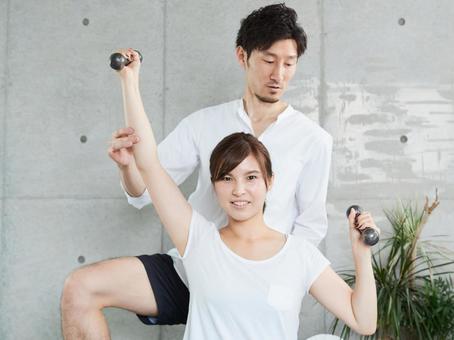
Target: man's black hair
pixel 266 25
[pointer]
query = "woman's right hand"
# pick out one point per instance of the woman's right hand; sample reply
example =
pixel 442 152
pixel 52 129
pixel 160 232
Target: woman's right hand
pixel 131 71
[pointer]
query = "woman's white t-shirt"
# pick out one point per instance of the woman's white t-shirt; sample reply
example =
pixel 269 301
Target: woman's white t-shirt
pixel 235 298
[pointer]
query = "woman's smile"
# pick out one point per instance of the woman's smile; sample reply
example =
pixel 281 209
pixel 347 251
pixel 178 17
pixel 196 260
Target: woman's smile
pixel 240 204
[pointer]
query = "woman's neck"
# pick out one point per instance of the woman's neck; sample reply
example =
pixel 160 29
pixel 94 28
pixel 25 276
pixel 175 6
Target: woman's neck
pixel 250 229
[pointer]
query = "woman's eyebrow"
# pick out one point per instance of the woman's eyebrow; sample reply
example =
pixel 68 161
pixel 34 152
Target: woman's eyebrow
pixel 246 173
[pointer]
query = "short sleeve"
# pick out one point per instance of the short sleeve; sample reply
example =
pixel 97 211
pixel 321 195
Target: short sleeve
pixel 200 230
pixel 315 263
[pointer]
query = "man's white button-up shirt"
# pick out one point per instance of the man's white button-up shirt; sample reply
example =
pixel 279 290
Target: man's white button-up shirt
pixel 300 152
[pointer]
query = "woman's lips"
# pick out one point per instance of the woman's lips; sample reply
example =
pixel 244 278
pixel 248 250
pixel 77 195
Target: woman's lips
pixel 240 204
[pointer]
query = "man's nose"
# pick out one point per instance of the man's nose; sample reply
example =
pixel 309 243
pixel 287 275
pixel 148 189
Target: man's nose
pixel 278 73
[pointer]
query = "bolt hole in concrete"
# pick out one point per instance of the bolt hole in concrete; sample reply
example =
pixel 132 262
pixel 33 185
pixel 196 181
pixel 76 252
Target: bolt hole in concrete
pixel 401 21
pixel 403 139
pixel 83 139
pixel 81 259
pixel 85 22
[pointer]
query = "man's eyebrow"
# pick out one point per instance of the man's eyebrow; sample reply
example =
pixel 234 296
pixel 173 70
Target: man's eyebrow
pixel 275 55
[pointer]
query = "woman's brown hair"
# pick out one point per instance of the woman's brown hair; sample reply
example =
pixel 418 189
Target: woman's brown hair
pixel 232 150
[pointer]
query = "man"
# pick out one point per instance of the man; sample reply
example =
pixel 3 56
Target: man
pixel 269 44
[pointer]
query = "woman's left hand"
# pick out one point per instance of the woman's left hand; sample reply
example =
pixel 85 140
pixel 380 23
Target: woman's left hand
pixel 363 221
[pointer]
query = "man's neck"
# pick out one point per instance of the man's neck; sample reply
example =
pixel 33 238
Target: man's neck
pixel 259 111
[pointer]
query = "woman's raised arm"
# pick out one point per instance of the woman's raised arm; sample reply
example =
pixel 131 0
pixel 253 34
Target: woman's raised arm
pixel 170 204
pixel 356 307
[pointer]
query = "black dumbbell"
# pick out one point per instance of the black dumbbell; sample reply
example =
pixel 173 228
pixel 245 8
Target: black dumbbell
pixel 369 235
pixel 118 60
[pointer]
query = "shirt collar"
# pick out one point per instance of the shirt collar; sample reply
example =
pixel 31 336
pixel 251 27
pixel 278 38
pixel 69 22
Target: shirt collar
pixel 244 116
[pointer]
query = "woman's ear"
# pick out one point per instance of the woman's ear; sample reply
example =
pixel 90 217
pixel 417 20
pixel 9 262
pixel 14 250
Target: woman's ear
pixel 270 182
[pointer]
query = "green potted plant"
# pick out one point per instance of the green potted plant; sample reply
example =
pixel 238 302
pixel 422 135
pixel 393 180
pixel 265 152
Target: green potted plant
pixel 415 293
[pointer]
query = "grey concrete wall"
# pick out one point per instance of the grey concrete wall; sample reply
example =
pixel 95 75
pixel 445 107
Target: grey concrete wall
pixel 383 89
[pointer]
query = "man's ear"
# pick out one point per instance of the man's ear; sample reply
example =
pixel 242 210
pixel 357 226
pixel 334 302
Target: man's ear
pixel 241 56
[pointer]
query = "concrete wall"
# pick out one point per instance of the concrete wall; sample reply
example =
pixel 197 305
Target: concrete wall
pixel 378 75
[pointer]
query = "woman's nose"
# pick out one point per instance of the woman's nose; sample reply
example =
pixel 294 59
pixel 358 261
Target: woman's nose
pixel 238 189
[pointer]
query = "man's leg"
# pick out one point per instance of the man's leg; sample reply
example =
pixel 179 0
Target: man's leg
pixel 121 283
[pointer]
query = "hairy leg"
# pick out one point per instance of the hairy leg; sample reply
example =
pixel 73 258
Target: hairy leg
pixel 121 283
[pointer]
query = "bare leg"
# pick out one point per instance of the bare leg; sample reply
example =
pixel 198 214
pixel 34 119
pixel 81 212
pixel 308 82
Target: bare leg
pixel 121 283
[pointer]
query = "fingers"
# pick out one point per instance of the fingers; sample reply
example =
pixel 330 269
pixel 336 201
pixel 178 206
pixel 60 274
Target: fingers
pixel 123 138
pixel 129 53
pixel 123 132
pixel 124 142
pixel 365 220
pixel 135 56
pixel 352 217
pixel 113 154
pixel 110 151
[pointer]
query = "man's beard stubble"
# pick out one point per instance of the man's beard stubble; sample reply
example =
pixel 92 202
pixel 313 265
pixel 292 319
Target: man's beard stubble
pixel 266 99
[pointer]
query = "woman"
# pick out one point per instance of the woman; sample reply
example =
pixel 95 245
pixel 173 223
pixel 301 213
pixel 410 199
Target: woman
pixel 246 280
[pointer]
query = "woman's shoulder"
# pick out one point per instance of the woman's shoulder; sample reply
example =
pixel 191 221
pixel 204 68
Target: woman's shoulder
pixel 303 246
pixel 201 225
pixel 201 231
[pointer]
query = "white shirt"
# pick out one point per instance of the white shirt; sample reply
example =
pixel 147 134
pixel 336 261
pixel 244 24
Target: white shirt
pixel 234 298
pixel 300 153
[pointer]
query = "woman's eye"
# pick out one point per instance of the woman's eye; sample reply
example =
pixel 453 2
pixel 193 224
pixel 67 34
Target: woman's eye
pixel 226 178
pixel 251 177
pixel 268 61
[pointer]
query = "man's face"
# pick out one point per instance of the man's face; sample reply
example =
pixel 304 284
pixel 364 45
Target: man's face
pixel 268 72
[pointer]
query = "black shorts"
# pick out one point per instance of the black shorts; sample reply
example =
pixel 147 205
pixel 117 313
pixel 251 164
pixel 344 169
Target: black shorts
pixel 170 292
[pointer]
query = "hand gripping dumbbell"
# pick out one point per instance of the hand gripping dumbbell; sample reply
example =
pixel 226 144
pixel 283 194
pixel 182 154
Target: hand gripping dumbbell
pixel 118 60
pixel 370 236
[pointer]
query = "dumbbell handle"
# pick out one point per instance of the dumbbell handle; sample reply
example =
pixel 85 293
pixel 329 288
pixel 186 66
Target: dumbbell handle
pixel 370 236
pixel 118 60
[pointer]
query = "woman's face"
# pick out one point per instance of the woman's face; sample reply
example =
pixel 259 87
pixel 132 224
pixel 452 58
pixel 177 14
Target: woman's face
pixel 242 192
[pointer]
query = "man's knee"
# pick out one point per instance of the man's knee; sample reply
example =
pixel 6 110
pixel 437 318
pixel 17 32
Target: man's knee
pixel 78 291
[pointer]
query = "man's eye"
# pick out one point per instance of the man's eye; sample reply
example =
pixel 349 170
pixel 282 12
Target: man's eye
pixel 268 61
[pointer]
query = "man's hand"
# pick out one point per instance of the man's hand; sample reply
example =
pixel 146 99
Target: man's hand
pixel 120 149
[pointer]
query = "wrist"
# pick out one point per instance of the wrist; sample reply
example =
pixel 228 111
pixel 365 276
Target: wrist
pixel 362 252
pixel 130 80
pixel 124 168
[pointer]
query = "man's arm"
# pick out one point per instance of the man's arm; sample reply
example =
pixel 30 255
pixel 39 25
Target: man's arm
pixel 312 222
pixel 177 153
pixel 120 150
